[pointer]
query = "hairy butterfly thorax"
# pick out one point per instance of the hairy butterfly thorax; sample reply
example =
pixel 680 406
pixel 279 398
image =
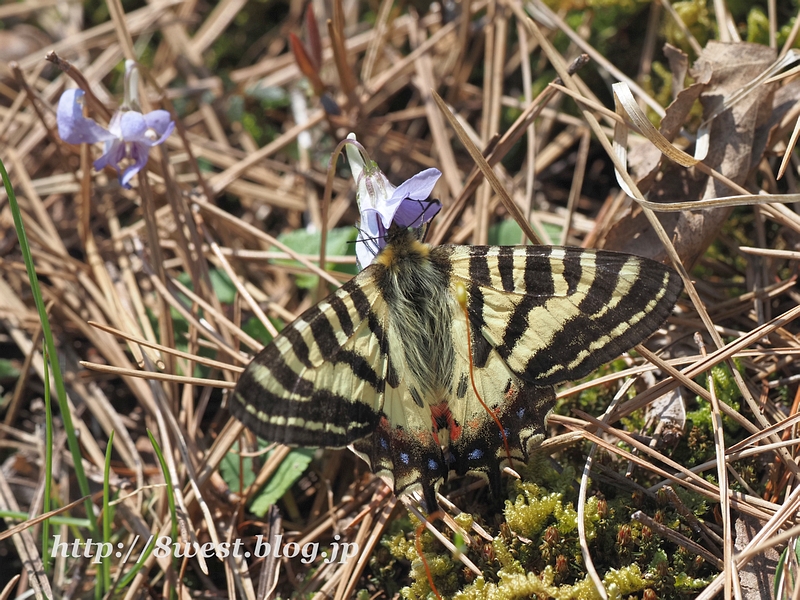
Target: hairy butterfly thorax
pixel 419 314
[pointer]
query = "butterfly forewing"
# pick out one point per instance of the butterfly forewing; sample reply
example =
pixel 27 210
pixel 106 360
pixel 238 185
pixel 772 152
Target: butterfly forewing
pixel 391 364
pixel 320 382
pixel 555 314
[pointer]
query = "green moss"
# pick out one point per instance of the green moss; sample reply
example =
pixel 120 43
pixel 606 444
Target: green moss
pixel 757 26
pixel 517 585
pixel 541 472
pixel 533 510
pixel 443 568
pixel 784 31
pixel 624 581
pixel 664 95
pixel 699 446
pixel 464 520
pixel 504 556
pixel 443 572
pixel 535 552
pixel 683 581
pixel 696 17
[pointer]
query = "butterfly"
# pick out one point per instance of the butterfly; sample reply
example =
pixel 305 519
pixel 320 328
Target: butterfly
pixel 440 359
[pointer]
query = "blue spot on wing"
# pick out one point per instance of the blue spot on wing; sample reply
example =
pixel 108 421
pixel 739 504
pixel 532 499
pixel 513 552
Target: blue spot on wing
pixel 384 444
pixel 476 454
pixel 404 457
pixel 432 464
pixel 521 412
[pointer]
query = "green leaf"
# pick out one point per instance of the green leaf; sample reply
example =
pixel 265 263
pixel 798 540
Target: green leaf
pixel 229 469
pixel 505 233
pixel 553 233
pixel 271 96
pixel 223 286
pixel 291 469
pixel 508 233
pixel 8 370
pixel 256 330
pixel 776 584
pixel 220 282
pixel 339 243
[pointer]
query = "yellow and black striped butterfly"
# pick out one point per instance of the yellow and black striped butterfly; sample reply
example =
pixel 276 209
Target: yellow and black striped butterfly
pixel 439 359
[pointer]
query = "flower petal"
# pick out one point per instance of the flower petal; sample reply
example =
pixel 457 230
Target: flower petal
pixel 420 186
pixel 406 207
pixel 132 126
pixel 113 153
pixel 113 125
pixel 371 237
pixel 354 158
pixel 374 192
pixel 73 127
pixel 161 122
pixel 415 213
pixel 138 153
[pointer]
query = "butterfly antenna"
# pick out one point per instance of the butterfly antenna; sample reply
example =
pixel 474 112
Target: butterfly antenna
pixel 461 297
pixel 369 240
pixel 426 205
pixel 418 546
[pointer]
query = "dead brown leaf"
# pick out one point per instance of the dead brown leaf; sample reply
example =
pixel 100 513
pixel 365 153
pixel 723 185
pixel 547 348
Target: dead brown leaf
pixel 736 145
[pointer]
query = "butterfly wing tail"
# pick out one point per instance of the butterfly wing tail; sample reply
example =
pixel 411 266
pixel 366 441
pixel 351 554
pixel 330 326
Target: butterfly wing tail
pixel 405 461
pixel 484 447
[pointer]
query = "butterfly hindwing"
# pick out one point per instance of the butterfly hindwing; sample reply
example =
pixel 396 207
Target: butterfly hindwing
pixel 538 315
pixel 402 450
pixel 495 415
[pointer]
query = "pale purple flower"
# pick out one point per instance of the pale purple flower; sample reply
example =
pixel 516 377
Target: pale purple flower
pixel 381 204
pixel 130 134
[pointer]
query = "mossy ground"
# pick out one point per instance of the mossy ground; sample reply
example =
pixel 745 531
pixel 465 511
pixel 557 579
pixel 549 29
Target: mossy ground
pixel 536 551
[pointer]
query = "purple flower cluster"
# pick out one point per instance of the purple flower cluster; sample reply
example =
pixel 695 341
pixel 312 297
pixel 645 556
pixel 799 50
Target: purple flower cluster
pixel 381 204
pixel 130 134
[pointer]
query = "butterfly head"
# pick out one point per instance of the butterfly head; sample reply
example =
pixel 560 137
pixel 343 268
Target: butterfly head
pixel 409 224
pixel 402 243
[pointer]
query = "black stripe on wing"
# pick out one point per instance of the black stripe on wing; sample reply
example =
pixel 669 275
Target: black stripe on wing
pixel 311 386
pixel 644 308
pixel 564 311
pixel 321 419
pixel 538 289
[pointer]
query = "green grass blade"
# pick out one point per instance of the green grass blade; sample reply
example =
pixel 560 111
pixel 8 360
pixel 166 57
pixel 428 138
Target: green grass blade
pixel 48 462
pixel 168 479
pixel 125 581
pixel 106 564
pixel 61 393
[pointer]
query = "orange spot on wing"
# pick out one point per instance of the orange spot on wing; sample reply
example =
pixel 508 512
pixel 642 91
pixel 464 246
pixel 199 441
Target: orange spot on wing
pixel 442 418
pixel 511 394
pixel 455 431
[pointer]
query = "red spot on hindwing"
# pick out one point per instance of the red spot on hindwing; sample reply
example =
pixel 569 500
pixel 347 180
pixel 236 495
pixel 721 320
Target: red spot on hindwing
pixel 442 418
